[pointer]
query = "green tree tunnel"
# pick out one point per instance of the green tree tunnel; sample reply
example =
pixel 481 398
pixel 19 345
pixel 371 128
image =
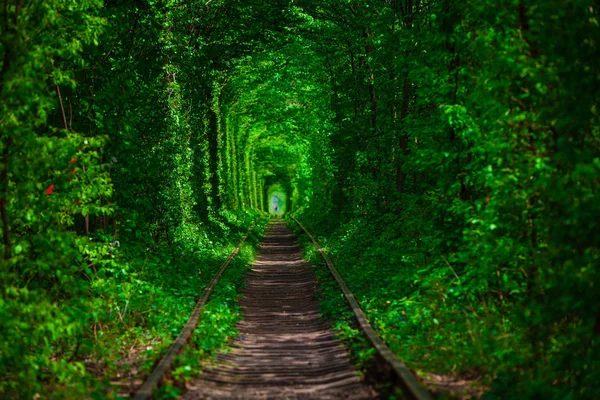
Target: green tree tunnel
pixel 446 154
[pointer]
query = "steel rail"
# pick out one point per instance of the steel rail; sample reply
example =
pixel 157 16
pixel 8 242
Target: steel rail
pixel 145 391
pixel 404 377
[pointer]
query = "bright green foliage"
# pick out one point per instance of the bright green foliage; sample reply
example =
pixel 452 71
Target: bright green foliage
pixel 111 191
pixel 49 173
pixel 275 109
pixel 446 153
pixel 465 155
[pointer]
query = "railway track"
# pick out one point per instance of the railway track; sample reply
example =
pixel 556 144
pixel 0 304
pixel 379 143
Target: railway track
pixel 285 350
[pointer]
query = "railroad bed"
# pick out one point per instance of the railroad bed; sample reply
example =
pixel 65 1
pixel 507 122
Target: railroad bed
pixel 285 349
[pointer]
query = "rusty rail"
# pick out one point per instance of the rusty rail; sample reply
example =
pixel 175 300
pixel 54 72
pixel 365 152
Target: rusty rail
pixel 404 377
pixel 145 391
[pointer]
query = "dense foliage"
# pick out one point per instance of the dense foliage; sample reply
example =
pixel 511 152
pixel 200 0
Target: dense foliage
pixel 446 153
pixel 112 195
pixel 465 162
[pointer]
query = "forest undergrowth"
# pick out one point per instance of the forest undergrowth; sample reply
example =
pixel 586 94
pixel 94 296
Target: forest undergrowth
pixel 127 316
pixel 458 343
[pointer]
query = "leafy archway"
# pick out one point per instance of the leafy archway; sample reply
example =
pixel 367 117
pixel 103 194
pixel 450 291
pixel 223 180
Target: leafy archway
pixel 456 142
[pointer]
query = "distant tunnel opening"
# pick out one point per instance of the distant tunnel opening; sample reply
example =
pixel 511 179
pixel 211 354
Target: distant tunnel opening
pixel 277 198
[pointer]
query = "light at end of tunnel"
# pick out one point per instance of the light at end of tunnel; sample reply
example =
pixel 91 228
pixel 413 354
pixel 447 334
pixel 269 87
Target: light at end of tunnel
pixel 277 199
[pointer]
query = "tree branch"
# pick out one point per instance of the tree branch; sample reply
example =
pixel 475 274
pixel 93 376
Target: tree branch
pixel 62 107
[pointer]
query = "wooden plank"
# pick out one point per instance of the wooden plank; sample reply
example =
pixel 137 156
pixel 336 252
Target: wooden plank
pixel 145 391
pixel 408 382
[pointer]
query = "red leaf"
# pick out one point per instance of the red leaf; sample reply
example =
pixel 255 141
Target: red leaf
pixel 49 190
